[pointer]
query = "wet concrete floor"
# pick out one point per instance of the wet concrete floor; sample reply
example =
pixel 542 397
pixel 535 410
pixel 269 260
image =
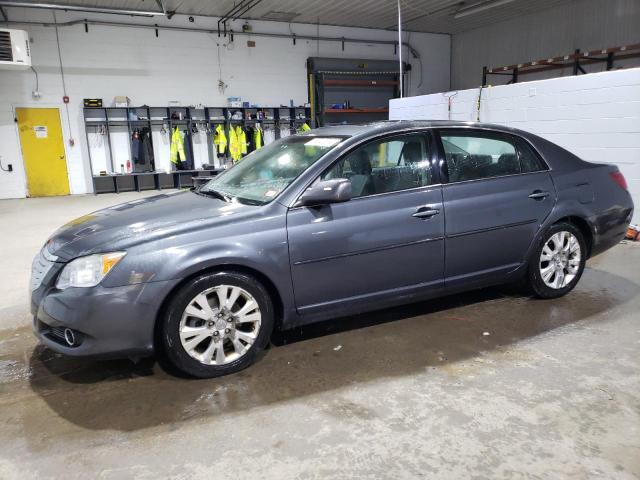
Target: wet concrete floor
pixel 487 384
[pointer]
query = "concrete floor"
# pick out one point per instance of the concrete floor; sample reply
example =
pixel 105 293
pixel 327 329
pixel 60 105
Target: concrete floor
pixel 487 384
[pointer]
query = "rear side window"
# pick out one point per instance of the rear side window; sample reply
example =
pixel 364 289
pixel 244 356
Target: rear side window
pixel 477 155
pixel 529 160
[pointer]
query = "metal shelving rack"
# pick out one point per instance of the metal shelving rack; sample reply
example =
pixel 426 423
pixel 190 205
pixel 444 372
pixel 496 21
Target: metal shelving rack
pixel 577 60
pixel 363 87
pixel 132 118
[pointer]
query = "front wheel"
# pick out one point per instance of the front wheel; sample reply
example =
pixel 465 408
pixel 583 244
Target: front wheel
pixel 217 324
pixel 557 262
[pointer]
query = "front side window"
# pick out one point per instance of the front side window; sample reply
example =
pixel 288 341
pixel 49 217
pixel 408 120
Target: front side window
pixel 476 155
pixel 262 175
pixel 383 166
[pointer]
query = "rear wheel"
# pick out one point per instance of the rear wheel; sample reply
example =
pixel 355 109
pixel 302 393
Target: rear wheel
pixel 217 324
pixel 558 261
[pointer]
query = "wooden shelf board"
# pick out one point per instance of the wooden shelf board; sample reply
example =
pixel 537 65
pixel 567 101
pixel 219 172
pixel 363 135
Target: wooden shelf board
pixel 361 83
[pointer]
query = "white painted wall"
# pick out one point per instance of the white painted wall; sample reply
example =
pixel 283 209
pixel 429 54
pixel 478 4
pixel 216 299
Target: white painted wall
pixel 595 116
pixel 583 24
pixel 181 66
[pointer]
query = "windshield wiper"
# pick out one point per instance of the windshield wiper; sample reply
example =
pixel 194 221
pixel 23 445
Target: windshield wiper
pixel 249 201
pixel 215 194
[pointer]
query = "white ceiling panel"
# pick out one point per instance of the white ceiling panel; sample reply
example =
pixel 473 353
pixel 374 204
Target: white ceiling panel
pixel 418 15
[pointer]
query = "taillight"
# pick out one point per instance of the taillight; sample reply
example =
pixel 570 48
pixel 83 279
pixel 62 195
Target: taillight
pixel 619 179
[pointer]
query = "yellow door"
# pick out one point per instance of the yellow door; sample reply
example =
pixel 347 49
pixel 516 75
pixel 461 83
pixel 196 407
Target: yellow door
pixel 43 151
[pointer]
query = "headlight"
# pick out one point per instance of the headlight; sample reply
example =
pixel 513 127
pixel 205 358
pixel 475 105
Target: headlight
pixel 88 271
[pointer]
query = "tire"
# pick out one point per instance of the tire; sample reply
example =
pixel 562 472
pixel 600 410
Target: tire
pixel 563 269
pixel 207 341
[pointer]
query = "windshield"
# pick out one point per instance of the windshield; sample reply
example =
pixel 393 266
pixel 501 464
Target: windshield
pixel 260 177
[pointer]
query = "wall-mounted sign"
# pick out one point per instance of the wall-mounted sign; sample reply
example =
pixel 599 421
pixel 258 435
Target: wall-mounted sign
pixel 40 131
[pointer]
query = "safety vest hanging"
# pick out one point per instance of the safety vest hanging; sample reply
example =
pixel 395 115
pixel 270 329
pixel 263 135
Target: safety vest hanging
pixel 234 144
pixel 176 151
pixel 242 138
pixel 237 143
pixel 304 128
pixel 220 139
pixel 257 137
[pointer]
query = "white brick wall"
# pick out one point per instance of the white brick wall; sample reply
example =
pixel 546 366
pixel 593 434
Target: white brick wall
pixel 595 116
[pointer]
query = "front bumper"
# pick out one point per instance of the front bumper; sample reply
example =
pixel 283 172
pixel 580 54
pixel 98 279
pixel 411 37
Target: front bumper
pixel 107 322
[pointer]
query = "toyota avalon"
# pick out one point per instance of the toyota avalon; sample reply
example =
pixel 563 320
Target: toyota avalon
pixel 336 221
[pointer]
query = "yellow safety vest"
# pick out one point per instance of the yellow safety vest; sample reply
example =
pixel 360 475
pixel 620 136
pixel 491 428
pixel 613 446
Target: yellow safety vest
pixel 236 135
pixel 220 139
pixel 304 128
pixel 242 138
pixel 257 137
pixel 176 151
pixel 234 147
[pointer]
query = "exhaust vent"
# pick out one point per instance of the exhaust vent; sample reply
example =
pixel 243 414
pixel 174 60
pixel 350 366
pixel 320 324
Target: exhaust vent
pixel 6 54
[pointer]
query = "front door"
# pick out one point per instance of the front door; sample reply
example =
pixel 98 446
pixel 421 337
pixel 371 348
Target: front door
pixel 386 242
pixel 498 194
pixel 43 151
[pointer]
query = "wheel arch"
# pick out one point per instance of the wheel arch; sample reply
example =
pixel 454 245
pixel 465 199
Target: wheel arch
pixel 582 225
pixel 268 284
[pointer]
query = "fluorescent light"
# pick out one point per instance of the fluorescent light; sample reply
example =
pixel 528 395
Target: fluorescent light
pixel 480 7
pixel 277 16
pixel 81 8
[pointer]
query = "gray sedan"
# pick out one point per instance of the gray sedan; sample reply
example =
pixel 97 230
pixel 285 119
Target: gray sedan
pixel 336 221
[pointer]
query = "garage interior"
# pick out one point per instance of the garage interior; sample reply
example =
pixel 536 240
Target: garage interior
pixel 484 384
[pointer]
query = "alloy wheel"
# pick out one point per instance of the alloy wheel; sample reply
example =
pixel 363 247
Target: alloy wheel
pixel 220 324
pixel 560 260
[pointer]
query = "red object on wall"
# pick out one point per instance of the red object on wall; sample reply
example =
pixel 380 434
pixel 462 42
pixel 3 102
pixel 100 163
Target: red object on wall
pixel 65 99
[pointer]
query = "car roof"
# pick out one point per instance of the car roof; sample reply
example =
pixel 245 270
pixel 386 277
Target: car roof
pixel 390 126
pixel 556 157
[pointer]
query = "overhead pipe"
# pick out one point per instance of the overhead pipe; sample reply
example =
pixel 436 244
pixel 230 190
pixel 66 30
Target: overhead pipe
pixel 80 8
pixel 235 12
pixel 249 7
pixel 236 8
pixel 162 6
pixel 72 23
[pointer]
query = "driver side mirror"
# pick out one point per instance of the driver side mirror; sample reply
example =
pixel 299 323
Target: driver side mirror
pixel 328 191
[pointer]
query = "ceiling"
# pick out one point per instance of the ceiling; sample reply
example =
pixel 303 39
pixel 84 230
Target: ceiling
pixel 418 15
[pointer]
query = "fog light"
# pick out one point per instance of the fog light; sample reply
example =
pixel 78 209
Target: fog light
pixel 69 337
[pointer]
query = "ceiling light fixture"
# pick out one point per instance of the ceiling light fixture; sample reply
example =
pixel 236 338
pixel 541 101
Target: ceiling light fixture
pixel 480 7
pixel 277 16
pixel 81 8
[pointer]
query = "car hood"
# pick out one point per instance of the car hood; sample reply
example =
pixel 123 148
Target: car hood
pixel 144 220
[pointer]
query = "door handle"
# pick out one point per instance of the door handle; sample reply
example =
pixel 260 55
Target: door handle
pixel 425 212
pixel 539 195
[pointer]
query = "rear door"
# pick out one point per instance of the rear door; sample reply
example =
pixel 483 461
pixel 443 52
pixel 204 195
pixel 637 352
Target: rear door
pixel 497 194
pixel 386 242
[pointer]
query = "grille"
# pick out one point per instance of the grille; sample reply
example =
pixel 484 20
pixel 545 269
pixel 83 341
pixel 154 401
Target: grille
pixel 57 333
pixel 6 53
pixel 40 267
